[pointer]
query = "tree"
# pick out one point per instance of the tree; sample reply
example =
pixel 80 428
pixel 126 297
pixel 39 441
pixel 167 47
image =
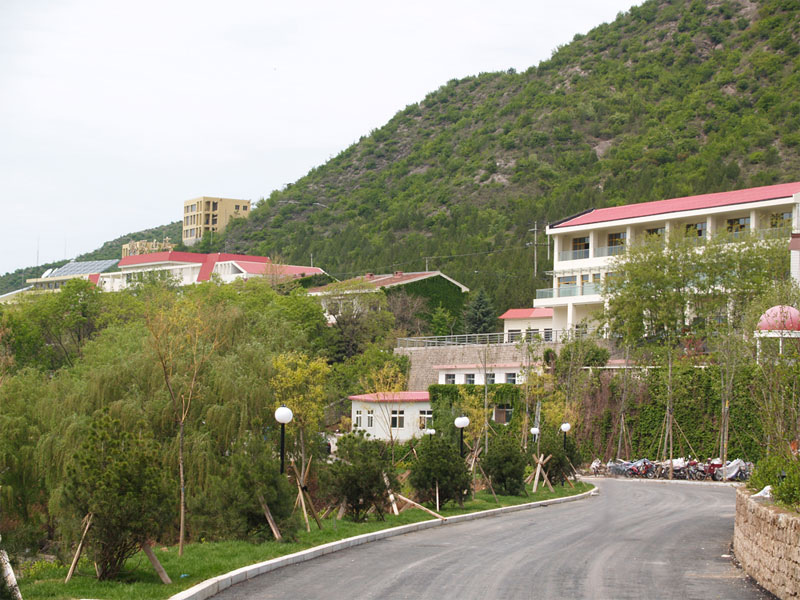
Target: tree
pixel 115 478
pixel 358 476
pixel 359 317
pixel 442 322
pixel 409 312
pixel 183 337
pixel 439 466
pixel 479 316
pixel 505 465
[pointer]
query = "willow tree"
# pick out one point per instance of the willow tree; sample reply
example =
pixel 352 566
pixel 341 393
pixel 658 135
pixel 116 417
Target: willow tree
pixel 184 335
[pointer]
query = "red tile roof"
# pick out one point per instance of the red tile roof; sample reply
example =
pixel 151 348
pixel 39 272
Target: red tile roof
pixel 527 313
pixel 186 257
pixel 658 207
pixel 388 280
pixel 393 397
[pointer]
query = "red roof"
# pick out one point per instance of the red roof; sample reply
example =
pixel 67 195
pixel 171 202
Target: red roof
pixel 385 280
pixel 255 268
pixel 659 207
pixel 393 397
pixel 186 257
pixel 527 313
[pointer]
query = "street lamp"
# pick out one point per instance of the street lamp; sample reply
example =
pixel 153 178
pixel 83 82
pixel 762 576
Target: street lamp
pixel 283 415
pixel 462 422
pixel 565 427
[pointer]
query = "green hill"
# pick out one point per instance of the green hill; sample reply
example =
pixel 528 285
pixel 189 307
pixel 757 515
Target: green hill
pixel 673 98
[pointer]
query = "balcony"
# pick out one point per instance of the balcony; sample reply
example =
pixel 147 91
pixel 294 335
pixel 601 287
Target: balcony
pixel 573 254
pixel 567 291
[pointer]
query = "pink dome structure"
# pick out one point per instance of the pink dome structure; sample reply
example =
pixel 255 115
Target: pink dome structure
pixel 780 318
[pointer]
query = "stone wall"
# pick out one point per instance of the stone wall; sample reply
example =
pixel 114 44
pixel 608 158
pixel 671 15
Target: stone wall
pixel 766 541
pixel 422 374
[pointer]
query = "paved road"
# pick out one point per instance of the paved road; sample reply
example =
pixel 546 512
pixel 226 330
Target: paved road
pixel 636 539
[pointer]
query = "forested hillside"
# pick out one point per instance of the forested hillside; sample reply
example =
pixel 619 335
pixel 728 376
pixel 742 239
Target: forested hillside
pixel 673 98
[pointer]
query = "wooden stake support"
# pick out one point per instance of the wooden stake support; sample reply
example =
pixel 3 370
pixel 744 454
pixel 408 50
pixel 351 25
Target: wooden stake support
pixel 87 521
pixel 391 495
pixel 156 565
pixel 272 525
pixel 427 510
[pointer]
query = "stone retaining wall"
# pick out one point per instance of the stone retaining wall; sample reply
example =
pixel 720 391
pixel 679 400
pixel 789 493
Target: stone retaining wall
pixel 766 541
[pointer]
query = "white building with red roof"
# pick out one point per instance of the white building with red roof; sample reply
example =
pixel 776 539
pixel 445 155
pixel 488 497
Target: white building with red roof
pixel 585 244
pixel 186 268
pixel 392 416
pixel 528 321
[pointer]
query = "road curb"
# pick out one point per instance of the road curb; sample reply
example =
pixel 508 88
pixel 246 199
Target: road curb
pixel 210 587
pixel 733 484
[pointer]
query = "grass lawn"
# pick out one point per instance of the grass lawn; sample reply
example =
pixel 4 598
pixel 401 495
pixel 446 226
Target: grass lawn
pixel 202 561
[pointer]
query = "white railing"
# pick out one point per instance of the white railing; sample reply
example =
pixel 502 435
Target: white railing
pixel 573 254
pixel 482 339
pixel 568 291
pixel 609 250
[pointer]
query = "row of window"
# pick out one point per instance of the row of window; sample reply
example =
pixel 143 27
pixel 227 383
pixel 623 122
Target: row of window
pixel 469 378
pixel 580 245
pixel 398 419
pixel 530 334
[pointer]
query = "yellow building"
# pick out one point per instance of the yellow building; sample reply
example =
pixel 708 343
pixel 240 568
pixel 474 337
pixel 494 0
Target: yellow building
pixel 206 214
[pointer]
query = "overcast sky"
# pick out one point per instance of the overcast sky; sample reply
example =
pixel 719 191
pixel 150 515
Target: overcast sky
pixel 113 113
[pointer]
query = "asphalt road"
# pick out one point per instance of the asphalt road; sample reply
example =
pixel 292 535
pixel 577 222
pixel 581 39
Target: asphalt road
pixel 636 539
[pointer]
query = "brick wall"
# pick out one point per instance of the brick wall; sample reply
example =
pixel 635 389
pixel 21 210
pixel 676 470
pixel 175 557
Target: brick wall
pixel 766 541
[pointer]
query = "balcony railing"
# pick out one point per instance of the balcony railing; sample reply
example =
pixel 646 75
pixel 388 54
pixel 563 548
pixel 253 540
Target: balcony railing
pixel 482 339
pixel 573 254
pixel 567 291
pixel 609 250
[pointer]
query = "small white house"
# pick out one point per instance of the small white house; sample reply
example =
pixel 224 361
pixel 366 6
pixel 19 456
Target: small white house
pixel 528 321
pixel 392 416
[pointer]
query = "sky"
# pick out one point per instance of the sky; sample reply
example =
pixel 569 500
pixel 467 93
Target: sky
pixel 112 112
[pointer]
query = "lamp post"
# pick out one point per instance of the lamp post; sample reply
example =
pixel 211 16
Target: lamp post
pixel 565 427
pixel 461 422
pixel 283 415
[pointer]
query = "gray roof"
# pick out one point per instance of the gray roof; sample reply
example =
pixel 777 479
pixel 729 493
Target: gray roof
pixel 83 268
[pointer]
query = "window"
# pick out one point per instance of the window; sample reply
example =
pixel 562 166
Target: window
pixel 502 413
pixel 659 231
pixel 696 229
pixel 449 378
pixel 244 207
pixel 490 378
pixel 425 419
pixel 511 378
pixel 357 421
pixel 213 206
pixel 580 243
pixel 532 334
pixel 780 220
pixel 548 335
pixel 569 280
pixel 616 239
pixel 398 419
pixel 469 378
pixel 370 419
pixel 514 334
pixel 236 207
pixel 738 226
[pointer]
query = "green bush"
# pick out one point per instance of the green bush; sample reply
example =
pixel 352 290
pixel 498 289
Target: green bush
pixel 505 465
pixel 767 472
pixel 788 490
pixel 438 462
pixel 783 474
pixel 115 477
pixel 233 509
pixel 357 477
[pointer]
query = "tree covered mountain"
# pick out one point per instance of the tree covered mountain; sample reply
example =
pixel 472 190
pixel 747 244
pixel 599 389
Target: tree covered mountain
pixel 675 97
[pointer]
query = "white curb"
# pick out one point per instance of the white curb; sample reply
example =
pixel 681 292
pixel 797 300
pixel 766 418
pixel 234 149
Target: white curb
pixel 210 587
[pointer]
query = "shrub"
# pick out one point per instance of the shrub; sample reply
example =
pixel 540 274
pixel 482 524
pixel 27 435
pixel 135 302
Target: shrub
pixel 233 506
pixel 439 463
pixel 505 465
pixel 357 477
pixel 783 474
pixel 114 476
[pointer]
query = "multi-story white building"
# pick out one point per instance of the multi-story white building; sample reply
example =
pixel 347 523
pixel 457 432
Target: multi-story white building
pixel 585 244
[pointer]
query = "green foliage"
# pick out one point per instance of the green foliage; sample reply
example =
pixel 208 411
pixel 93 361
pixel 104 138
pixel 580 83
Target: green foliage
pixel 115 478
pixel 233 504
pixel 438 291
pixel 438 463
pixel 357 477
pixel 505 465
pixel 583 353
pixel 782 472
pixel 479 316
